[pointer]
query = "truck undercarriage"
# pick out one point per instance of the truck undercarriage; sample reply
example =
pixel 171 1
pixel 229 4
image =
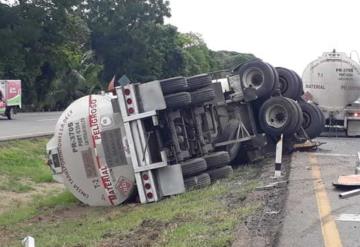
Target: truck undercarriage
pixel 168 136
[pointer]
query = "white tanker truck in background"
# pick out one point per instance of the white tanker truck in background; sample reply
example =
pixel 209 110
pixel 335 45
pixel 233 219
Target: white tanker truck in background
pixel 333 83
pixel 164 137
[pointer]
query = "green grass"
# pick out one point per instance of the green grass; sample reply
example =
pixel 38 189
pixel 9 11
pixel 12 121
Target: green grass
pixel 197 218
pixel 23 162
pixel 39 205
pixel 206 217
pixel 14 185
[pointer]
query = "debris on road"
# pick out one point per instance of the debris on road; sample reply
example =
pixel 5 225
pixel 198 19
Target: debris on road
pixel 307 145
pixel 273 185
pixel 348 181
pixel 28 242
pixel 349 217
pixel 349 193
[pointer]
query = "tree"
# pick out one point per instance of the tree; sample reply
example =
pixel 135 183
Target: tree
pixel 63 49
pixel 127 36
pixel 230 59
pixel 198 57
pixel 42 39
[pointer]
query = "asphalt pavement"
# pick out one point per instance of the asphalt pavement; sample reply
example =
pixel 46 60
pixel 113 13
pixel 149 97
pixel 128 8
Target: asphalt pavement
pixel 28 125
pixel 313 206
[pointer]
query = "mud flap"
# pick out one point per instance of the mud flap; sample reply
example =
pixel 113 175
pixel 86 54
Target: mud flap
pixel 170 180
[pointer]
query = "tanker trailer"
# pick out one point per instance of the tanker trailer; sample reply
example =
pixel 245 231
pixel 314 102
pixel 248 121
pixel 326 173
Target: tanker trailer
pixel 155 138
pixel 161 138
pixel 333 83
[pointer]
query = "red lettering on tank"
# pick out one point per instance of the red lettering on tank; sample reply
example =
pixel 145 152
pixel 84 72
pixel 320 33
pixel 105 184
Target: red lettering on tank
pixel 96 137
pixel 94 120
pixel 107 184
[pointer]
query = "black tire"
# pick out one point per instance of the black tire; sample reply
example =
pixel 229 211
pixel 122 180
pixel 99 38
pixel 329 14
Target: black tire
pixel 229 133
pixel 276 89
pixel 178 100
pixel 236 69
pixel 321 114
pixel 299 114
pixel 289 84
pixel 278 116
pixel 197 182
pixel 217 160
pixel 10 113
pixel 313 123
pixel 198 81
pixel 322 118
pixel 174 85
pixel 193 167
pixel 300 82
pixel 202 95
pixel 220 173
pixel 257 76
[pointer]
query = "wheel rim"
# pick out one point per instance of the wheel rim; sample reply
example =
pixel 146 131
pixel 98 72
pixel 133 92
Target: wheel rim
pixel 253 78
pixel 277 116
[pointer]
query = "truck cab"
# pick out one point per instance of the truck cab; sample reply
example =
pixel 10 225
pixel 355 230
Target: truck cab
pixel 11 97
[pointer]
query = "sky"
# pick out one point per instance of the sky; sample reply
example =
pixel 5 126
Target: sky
pixel 287 33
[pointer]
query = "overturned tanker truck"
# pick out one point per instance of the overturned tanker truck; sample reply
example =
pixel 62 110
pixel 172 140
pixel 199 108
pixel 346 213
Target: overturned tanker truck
pixel 165 137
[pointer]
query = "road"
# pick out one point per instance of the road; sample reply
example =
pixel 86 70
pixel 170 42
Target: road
pixel 313 206
pixel 28 124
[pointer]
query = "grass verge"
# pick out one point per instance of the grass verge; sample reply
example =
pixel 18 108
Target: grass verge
pixel 206 217
pixel 22 164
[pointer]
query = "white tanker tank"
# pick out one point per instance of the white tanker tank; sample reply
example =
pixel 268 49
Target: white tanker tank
pixel 87 152
pixel 333 82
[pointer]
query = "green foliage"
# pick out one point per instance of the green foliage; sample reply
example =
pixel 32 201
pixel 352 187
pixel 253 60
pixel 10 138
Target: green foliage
pixel 230 59
pixel 198 57
pixel 62 49
pixel 129 38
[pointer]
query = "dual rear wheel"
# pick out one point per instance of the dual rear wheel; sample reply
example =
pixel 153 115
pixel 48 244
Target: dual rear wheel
pixel 200 172
pixel 280 115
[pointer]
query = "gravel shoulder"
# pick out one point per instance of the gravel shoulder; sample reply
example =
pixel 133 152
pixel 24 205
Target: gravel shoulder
pixel 264 226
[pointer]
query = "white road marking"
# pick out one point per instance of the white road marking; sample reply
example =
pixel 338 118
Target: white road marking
pixel 349 217
pixel 27 135
pixel 48 119
pixel 335 155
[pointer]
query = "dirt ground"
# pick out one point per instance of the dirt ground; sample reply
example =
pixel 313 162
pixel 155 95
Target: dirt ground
pixel 258 230
pixel 144 236
pixel 263 228
pixel 14 199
